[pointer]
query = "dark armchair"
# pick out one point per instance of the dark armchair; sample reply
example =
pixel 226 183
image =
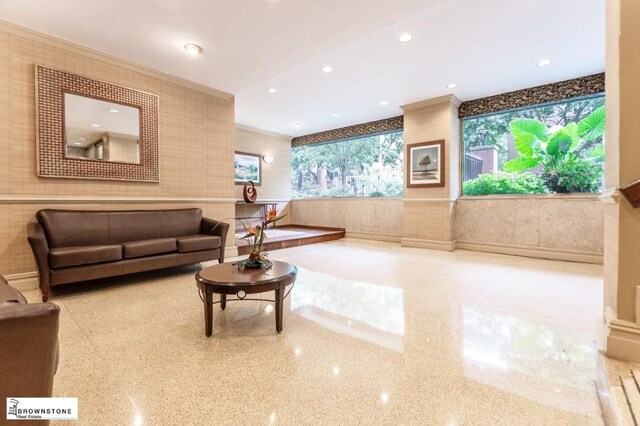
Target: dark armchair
pixel 28 347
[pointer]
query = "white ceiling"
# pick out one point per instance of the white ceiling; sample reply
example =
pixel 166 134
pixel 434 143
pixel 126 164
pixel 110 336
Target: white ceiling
pixel 487 47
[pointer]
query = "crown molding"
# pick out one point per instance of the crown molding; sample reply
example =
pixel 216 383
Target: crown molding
pixel 447 99
pixel 263 132
pixel 53 41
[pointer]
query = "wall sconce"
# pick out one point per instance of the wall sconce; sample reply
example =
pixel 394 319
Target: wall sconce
pixel 267 159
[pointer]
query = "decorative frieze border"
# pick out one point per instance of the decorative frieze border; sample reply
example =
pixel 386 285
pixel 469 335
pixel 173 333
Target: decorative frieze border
pixel 555 92
pixel 350 132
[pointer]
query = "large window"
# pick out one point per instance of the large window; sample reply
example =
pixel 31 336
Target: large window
pixel 370 166
pixel 551 148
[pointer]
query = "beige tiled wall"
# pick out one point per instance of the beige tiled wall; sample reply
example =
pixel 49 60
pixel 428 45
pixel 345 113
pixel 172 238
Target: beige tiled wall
pixel 429 213
pixel 379 218
pixel 622 222
pixel 196 140
pixel 571 223
pixel 276 177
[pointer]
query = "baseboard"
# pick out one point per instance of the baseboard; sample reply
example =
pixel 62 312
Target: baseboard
pixel 623 341
pixel 23 281
pixel 374 237
pixel 532 251
pixel 230 251
pixel 428 244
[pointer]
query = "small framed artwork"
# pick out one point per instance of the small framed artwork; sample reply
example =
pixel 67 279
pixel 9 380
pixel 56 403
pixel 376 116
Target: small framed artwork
pixel 425 164
pixel 248 168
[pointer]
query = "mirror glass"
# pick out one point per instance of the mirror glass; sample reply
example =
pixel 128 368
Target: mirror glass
pixel 100 130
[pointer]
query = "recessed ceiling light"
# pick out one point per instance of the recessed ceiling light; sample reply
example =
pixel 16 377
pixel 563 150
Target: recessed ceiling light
pixel 297 124
pixel 327 68
pixel 114 110
pixel 452 85
pixel 335 115
pixel 384 103
pixel 193 49
pixel 83 139
pixel 405 38
pixel 272 90
pixel 77 143
pixel 95 125
pixel 544 62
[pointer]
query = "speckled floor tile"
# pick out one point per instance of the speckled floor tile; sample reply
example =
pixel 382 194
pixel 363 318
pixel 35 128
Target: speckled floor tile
pixel 373 334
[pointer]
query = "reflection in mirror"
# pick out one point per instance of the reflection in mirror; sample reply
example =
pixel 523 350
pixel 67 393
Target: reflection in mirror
pixel 100 130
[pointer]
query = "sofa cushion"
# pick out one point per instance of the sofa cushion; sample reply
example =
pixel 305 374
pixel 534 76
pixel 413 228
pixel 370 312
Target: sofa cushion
pixel 140 225
pixel 74 228
pixel 62 257
pixel 149 247
pixel 197 242
pixel 180 223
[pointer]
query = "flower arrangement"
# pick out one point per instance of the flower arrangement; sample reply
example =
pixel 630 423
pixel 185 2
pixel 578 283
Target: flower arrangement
pixel 255 236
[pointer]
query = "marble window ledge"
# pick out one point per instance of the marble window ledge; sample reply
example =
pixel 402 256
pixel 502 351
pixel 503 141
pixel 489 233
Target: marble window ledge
pixel 346 198
pixel 590 196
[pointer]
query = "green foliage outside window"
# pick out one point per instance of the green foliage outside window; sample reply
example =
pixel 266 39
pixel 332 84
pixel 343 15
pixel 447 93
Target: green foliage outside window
pixel 561 145
pixel 505 183
pixel 371 166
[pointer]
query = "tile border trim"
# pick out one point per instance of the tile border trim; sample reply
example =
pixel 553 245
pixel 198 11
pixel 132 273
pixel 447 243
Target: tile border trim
pixel 554 92
pixel 370 128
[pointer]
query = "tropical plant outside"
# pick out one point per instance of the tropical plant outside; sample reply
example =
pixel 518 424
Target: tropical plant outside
pixel 505 183
pixel 370 166
pixel 559 146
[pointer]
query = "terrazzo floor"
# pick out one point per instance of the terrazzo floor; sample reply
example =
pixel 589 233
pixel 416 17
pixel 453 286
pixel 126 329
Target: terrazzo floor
pixel 373 334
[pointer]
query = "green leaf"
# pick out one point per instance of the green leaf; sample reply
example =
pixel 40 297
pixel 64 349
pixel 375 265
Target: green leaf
pixel 597 154
pixel 572 130
pixel 531 127
pixel 559 143
pixel 519 164
pixel 592 126
pixel 527 145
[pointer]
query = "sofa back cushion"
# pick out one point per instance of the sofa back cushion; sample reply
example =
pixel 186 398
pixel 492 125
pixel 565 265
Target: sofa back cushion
pixel 178 223
pixel 135 226
pixel 75 228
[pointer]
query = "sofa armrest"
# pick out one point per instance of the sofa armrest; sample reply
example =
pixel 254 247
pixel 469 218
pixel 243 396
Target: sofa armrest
pixel 220 229
pixel 40 249
pixel 9 294
pixel 28 349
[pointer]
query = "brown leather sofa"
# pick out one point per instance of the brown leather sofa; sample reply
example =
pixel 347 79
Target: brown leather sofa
pixel 28 348
pixel 72 245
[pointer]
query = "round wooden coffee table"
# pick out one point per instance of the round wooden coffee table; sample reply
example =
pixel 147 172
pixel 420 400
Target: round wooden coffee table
pixel 229 279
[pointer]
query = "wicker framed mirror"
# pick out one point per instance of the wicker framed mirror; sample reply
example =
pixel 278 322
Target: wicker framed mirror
pixel 88 129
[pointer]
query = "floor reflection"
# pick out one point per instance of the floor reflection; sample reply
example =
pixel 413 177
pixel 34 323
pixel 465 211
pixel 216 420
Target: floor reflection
pixel 537 362
pixel 367 311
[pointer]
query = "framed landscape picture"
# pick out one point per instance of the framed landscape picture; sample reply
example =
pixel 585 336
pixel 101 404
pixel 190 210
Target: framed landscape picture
pixel 425 164
pixel 248 168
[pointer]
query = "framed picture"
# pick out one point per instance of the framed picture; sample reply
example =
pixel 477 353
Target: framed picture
pixel 425 164
pixel 248 168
